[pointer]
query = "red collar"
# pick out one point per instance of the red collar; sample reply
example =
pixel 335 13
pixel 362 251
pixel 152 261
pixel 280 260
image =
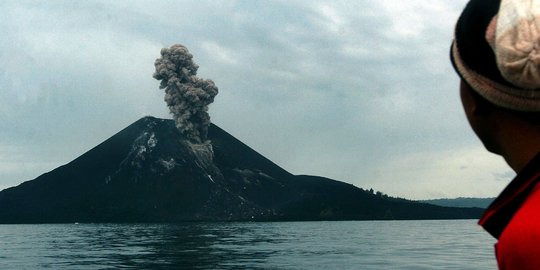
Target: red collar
pixel 501 211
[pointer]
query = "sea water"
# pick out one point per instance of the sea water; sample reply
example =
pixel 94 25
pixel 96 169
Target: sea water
pixel 437 244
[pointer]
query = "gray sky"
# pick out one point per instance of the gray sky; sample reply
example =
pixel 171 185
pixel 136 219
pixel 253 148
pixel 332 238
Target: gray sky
pixel 358 91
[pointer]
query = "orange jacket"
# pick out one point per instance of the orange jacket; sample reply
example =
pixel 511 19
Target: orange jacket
pixel 514 219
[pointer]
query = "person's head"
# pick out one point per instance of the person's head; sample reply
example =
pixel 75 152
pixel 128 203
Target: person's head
pixel 496 52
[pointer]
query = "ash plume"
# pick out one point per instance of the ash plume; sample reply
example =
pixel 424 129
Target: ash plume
pixel 186 95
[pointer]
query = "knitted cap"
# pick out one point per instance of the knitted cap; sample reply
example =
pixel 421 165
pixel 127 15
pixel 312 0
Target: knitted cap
pixel 496 50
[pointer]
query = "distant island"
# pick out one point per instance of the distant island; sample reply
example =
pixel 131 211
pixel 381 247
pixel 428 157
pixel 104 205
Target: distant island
pixel 462 202
pixel 150 172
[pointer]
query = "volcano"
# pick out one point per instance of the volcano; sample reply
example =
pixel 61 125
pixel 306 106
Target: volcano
pixel 149 172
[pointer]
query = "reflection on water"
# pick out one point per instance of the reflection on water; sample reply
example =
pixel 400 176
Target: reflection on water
pixel 457 244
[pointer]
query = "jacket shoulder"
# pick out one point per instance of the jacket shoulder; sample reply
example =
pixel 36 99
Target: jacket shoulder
pixel 518 246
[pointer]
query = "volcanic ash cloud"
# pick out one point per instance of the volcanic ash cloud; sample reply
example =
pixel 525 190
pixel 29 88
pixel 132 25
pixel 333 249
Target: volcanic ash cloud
pixel 186 95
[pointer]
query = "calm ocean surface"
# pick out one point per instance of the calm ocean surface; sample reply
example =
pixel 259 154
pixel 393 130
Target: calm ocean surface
pixel 445 244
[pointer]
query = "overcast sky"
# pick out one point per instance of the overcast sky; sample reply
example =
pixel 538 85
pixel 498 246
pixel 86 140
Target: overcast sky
pixel 358 91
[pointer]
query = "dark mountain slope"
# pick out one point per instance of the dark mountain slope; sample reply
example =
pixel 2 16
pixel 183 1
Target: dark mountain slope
pixel 149 173
pixel 122 179
pixel 333 200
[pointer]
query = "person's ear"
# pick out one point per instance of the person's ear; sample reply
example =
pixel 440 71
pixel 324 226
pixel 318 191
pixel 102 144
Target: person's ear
pixel 474 104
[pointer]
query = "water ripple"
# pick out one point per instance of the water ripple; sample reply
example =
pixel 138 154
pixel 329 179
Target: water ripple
pixel 450 244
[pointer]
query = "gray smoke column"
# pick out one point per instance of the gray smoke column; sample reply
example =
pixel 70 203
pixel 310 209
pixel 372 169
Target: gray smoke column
pixel 186 95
